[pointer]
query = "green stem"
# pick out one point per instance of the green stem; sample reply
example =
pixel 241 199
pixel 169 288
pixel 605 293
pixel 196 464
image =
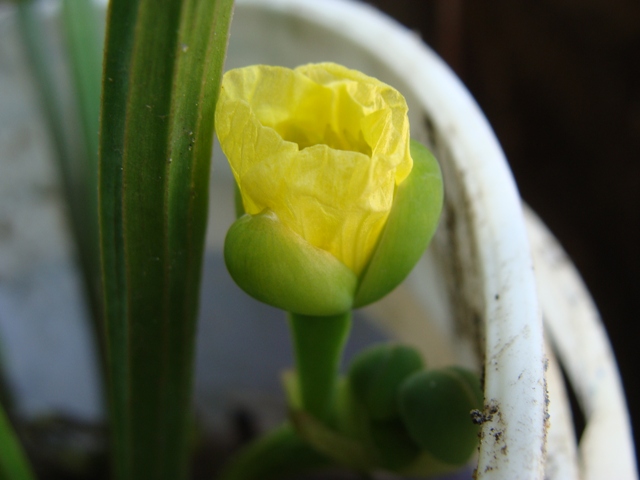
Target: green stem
pixel 279 454
pixel 318 344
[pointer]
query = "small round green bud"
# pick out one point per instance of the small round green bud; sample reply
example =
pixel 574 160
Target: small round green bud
pixel 435 407
pixel 376 375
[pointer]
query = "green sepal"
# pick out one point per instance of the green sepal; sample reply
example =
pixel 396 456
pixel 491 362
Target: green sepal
pixel 377 373
pixel 436 406
pixel 278 267
pixel 411 224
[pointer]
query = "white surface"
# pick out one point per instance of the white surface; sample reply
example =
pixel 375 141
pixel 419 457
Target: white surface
pixel 562 455
pixel 606 449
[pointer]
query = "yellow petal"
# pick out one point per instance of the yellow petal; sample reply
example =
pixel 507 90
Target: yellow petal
pixel 321 146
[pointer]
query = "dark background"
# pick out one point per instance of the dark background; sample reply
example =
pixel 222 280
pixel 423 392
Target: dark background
pixel 559 81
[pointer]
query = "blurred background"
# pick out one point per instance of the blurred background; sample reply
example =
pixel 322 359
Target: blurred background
pixel 559 81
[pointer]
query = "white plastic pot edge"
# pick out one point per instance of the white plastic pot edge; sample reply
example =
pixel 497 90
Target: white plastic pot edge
pixel 606 449
pixel 514 366
pixel 562 451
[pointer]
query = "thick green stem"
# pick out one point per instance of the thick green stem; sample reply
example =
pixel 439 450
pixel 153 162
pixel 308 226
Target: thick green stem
pixel 318 343
pixel 279 454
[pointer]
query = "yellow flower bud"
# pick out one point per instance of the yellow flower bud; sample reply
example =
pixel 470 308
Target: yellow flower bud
pixel 321 146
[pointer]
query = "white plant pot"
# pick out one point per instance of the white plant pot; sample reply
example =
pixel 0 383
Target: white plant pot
pixel 575 331
pixel 472 299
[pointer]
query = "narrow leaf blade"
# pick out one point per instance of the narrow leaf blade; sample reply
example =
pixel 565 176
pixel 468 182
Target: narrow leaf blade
pixel 162 70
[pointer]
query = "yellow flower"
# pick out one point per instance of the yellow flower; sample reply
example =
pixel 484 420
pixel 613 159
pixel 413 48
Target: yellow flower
pixel 321 146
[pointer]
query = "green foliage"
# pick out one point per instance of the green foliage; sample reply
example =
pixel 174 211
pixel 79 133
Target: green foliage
pixel 279 454
pixel 162 69
pixel 376 375
pixel 13 462
pixel 75 151
pixel 402 409
pixel 435 407
pixel 394 448
pixel 343 450
pixel 392 414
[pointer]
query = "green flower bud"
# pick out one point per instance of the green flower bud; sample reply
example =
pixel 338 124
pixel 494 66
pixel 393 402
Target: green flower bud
pixel 435 407
pixel 376 374
pixel 275 265
pixel 326 150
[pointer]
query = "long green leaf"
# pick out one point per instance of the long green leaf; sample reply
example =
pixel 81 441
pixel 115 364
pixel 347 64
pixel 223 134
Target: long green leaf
pixel 162 68
pixel 13 462
pixel 84 48
pixel 73 129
